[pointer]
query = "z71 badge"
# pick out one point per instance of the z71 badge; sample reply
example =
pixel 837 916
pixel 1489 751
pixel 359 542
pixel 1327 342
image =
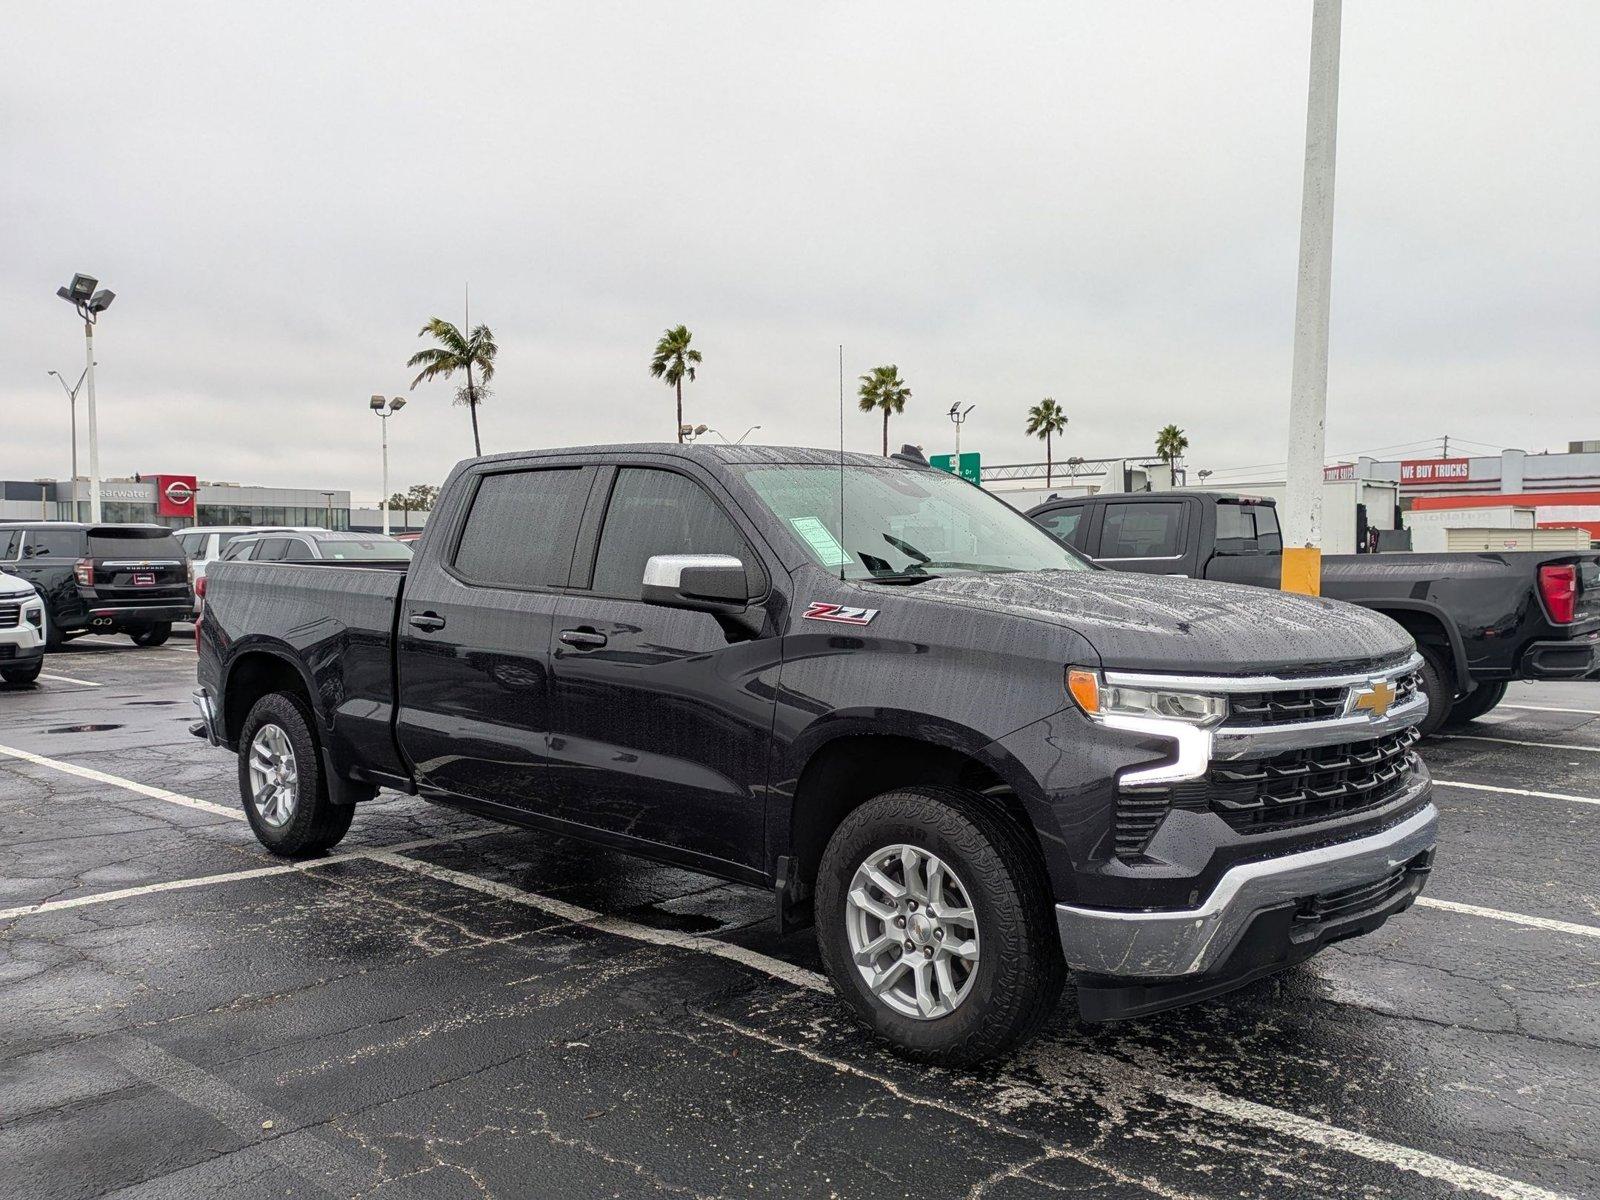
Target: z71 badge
pixel 819 610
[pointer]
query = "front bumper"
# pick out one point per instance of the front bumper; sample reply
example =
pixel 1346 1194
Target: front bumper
pixel 24 642
pixel 1578 658
pixel 1193 943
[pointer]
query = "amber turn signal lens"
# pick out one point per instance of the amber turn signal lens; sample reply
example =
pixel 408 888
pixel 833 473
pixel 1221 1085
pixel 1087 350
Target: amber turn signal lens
pixel 1084 687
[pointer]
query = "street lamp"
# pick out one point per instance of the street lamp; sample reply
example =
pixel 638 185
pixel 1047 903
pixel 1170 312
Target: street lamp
pixel 724 436
pixel 72 399
pixel 688 432
pixel 386 409
pixel 86 295
pixel 959 416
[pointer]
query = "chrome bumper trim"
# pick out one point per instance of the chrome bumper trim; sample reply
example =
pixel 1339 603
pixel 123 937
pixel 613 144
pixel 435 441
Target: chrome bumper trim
pixel 208 713
pixel 1190 941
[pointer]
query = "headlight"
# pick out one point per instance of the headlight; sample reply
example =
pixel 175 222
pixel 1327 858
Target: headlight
pixel 1099 700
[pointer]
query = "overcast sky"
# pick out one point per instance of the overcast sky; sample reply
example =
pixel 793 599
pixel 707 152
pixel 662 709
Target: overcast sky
pixel 1096 202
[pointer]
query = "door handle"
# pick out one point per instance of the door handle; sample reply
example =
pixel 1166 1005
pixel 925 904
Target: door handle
pixel 587 639
pixel 427 620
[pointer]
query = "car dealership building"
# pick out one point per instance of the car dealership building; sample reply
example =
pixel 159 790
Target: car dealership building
pixel 175 500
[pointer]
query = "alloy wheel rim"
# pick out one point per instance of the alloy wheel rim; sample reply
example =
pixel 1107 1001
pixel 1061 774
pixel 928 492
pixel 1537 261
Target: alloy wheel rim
pixel 913 931
pixel 274 776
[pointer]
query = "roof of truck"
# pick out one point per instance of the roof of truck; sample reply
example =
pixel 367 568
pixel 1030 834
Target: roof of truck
pixel 719 455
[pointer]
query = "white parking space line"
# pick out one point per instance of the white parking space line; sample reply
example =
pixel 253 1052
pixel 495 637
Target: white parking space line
pixel 1117 1076
pixel 1473 737
pixel 1495 914
pixel 70 679
pixel 1592 712
pixel 283 868
pixel 1510 791
pixel 621 926
pixel 143 789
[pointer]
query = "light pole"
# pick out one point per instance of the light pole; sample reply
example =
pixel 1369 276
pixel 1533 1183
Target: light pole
pixel 86 295
pixel 72 399
pixel 327 504
pixel 959 416
pixel 1308 386
pixel 386 409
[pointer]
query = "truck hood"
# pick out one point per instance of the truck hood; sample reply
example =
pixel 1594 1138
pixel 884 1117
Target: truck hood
pixel 1169 624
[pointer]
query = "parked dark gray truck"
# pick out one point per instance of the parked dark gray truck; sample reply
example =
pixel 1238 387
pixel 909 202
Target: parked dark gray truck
pixel 1480 620
pixel 979 761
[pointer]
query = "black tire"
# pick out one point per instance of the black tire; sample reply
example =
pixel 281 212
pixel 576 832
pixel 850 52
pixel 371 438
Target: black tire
pixel 25 674
pixel 151 635
pixel 53 637
pixel 315 823
pixel 1477 702
pixel 1439 690
pixel 1020 970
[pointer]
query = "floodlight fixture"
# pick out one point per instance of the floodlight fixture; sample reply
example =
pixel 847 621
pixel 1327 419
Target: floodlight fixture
pixel 82 287
pixel 101 300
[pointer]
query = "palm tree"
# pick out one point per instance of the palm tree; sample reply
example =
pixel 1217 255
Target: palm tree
pixel 1045 420
pixel 883 388
pixel 456 353
pixel 674 360
pixel 1170 444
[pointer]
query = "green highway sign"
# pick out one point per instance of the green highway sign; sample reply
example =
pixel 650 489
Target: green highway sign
pixel 971 465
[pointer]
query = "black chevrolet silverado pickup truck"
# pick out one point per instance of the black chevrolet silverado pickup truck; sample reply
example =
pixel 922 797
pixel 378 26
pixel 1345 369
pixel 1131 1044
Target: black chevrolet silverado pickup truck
pixel 976 760
pixel 1480 620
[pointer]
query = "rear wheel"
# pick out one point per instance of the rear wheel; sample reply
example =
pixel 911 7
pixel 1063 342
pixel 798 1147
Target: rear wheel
pixel 25 674
pixel 152 635
pixel 1477 702
pixel 281 782
pixel 934 922
pixel 1441 694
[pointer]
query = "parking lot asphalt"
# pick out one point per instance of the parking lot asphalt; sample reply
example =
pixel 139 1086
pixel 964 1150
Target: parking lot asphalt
pixel 444 1007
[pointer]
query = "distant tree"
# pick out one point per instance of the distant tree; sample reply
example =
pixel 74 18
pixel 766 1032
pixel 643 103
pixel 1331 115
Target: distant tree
pixel 1046 420
pixel 884 390
pixel 1170 445
pixel 423 497
pixel 673 361
pixel 457 353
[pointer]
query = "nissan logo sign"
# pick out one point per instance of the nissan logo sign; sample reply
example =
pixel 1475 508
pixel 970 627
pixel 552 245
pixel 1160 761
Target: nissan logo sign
pixel 178 492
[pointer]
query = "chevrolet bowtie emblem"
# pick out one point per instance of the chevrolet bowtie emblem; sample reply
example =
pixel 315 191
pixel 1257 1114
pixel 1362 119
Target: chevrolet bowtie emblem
pixel 1375 699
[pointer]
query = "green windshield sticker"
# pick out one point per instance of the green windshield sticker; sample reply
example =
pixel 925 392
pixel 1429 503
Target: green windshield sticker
pixel 821 541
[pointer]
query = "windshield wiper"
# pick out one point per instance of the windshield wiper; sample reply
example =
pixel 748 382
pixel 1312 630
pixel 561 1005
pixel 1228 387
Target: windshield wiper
pixel 900 578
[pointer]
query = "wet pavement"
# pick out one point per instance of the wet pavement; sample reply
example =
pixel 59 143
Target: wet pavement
pixel 448 1008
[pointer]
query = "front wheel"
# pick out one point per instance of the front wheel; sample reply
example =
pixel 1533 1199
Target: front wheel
pixel 281 782
pixel 934 923
pixel 25 674
pixel 152 635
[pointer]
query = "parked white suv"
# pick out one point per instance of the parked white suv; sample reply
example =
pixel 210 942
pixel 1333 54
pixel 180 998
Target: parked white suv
pixel 22 633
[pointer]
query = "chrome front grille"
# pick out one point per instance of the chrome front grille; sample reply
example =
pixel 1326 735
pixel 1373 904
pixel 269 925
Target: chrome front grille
pixel 1291 752
pixel 10 614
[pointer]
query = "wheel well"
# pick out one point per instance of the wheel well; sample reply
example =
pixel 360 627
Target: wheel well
pixel 1428 630
pixel 252 677
pixel 847 772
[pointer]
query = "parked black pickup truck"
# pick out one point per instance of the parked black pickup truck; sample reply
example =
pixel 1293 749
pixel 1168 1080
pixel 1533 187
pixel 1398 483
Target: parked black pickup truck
pixel 976 759
pixel 131 579
pixel 1480 620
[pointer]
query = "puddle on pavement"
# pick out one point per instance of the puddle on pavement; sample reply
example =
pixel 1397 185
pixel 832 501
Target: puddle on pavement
pixel 82 728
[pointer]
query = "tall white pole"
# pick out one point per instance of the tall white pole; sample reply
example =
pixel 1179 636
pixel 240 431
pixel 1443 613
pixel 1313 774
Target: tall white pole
pixel 94 432
pixel 384 504
pixel 1308 393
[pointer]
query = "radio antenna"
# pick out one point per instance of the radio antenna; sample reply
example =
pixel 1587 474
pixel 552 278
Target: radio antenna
pixel 843 553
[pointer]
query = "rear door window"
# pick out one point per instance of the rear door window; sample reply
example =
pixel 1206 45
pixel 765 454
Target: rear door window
pixel 523 527
pixel 271 550
pixel 297 550
pixel 1065 523
pixel 193 544
pixel 10 539
pixel 1247 528
pixel 1152 530
pixel 53 543
pixel 658 512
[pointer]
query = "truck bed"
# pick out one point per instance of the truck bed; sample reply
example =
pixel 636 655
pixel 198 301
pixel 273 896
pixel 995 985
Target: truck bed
pixel 340 619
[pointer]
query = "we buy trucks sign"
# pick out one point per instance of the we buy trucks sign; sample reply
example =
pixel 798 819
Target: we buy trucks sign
pixel 1432 470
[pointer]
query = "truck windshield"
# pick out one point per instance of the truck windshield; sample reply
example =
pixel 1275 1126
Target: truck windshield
pixel 902 525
